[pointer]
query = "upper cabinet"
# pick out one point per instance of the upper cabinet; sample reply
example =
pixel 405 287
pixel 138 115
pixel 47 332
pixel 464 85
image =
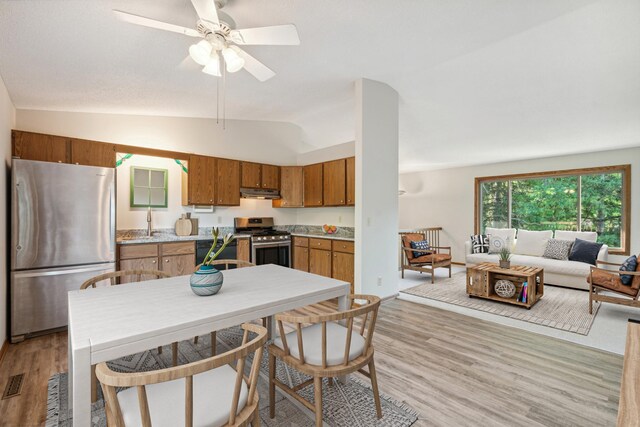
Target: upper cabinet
pixel 256 175
pixel 200 181
pixel 334 182
pixel 313 185
pixel 290 188
pixel 351 181
pixel 270 177
pixel 37 146
pixel 228 182
pixel 92 153
pixel 250 175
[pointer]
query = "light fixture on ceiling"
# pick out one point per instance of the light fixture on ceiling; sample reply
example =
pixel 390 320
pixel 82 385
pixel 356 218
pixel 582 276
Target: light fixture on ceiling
pixel 233 61
pixel 213 66
pixel 201 52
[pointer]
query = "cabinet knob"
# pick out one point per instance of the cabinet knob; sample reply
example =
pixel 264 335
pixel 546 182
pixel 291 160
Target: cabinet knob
pixel 335 256
pixel 166 260
pixel 257 185
pixel 220 200
pixel 211 200
pixel 153 262
pixel 341 201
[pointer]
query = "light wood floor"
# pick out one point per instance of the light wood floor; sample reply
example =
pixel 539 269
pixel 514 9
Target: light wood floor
pixel 455 370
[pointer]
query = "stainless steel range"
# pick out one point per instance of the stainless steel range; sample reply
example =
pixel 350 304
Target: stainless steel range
pixel 268 245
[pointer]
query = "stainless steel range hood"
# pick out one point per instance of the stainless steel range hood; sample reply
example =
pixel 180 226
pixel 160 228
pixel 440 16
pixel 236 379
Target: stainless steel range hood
pixel 256 193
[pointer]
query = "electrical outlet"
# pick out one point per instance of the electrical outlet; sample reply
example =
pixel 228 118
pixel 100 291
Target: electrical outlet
pixel 368 221
pixel 339 219
pixel 219 220
pixel 379 280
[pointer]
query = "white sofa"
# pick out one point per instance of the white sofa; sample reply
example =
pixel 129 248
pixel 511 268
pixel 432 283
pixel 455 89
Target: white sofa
pixel 571 274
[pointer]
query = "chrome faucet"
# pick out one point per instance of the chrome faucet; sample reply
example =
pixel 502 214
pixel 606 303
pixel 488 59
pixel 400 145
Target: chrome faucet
pixel 149 222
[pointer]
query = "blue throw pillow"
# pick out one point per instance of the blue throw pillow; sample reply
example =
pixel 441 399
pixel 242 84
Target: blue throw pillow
pixel 585 251
pixel 630 264
pixel 421 244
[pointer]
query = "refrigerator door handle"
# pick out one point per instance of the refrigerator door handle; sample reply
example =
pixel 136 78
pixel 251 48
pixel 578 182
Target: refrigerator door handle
pixel 112 220
pixel 39 273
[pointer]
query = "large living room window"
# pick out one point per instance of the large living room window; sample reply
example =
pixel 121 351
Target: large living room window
pixel 594 199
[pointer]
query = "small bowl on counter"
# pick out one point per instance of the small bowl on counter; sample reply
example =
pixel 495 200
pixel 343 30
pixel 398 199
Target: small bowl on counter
pixel 329 229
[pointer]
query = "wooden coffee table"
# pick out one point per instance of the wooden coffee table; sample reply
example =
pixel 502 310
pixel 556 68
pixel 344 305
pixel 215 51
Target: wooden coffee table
pixel 482 278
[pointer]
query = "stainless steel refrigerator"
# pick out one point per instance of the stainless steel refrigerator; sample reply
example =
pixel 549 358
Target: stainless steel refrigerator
pixel 62 233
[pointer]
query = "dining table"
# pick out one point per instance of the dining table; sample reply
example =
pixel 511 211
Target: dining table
pixel 109 322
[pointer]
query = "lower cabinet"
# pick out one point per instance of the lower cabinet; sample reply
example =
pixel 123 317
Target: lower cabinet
pixel 243 250
pixel 326 257
pixel 175 258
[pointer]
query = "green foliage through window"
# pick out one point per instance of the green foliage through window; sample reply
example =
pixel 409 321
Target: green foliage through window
pixel 587 202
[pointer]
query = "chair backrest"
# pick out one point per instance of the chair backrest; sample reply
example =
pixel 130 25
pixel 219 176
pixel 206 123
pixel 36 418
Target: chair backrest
pixel 139 276
pixel 110 380
pixel 227 262
pixel 432 234
pixel 368 312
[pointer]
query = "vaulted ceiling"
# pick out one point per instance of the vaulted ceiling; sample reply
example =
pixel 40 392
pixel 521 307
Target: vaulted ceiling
pixel 479 80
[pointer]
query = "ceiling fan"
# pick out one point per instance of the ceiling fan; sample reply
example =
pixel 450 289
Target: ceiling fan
pixel 219 47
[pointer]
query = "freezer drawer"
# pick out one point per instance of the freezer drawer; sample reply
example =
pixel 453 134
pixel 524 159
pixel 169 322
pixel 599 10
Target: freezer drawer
pixel 39 297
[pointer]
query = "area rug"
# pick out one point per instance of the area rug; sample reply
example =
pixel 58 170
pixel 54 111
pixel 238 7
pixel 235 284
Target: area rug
pixel 349 404
pixel 559 308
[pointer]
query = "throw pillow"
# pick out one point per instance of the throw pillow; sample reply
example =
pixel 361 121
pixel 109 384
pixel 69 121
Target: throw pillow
pixel 421 244
pixel 532 243
pixel 590 236
pixel 584 251
pixel 630 264
pixel 479 244
pixel 558 249
pixel 500 238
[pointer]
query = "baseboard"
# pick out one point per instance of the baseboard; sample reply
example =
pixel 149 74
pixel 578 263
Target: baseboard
pixel 3 349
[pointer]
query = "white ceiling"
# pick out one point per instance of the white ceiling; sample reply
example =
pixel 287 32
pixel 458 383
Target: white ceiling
pixel 479 80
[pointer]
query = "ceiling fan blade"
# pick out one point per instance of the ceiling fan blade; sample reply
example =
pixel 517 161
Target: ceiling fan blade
pixel 152 23
pixel 275 35
pixel 206 10
pixel 253 66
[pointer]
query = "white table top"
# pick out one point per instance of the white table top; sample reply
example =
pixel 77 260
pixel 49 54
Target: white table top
pixel 140 316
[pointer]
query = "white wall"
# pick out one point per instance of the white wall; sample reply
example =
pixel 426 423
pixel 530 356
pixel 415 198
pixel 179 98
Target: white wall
pixel 376 212
pixel 268 142
pixel 7 122
pixel 129 217
pixel 445 198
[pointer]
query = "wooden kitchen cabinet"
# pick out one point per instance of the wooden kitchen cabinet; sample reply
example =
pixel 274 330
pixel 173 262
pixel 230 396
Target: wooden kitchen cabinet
pixel 201 180
pixel 138 264
pixel 37 146
pixel 351 181
pixel 334 183
pixel 243 250
pixel 92 153
pixel 290 188
pixel 300 253
pixel 270 178
pixel 179 265
pixel 343 261
pixel 320 262
pixel 228 182
pixel 312 177
pixel 250 175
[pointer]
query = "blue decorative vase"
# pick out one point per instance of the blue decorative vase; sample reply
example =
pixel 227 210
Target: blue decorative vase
pixel 206 281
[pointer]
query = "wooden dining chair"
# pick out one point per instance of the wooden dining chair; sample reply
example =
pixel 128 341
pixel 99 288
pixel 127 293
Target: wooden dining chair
pixel 326 348
pixel 226 262
pixel 212 391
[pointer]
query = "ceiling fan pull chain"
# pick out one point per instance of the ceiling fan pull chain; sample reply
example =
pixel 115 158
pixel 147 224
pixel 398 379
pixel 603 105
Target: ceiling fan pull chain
pixel 224 95
pixel 217 101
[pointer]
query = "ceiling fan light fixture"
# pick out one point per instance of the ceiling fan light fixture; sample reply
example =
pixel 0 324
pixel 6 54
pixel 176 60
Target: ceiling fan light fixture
pixel 232 59
pixel 201 52
pixel 213 66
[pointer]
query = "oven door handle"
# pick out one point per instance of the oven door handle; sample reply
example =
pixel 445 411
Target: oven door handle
pixel 271 244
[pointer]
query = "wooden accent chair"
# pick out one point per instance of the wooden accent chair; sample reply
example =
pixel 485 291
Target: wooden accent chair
pixel 212 391
pixel 601 279
pixel 226 262
pixel 325 349
pixel 435 257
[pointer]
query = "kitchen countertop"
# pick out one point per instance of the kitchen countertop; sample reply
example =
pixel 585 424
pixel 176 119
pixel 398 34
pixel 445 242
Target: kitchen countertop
pixel 323 236
pixel 134 237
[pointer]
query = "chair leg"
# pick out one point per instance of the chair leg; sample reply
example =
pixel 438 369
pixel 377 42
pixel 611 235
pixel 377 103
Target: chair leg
pixel 174 353
pixel 317 391
pixel 214 343
pixel 374 386
pixel 433 275
pixel 330 381
pixel 272 386
pixel 403 271
pixel 590 299
pixel 94 384
pixel 449 271
pixel 195 340
pixel 159 349
pixel 256 419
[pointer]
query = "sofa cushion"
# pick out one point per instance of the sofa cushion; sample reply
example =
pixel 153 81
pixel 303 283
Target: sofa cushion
pixel 585 251
pixel 479 244
pixel 420 244
pixel 558 249
pixel 532 242
pixel 630 264
pixel 500 238
pixel 590 236
pixel 556 266
pixel 480 258
pixel 611 281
